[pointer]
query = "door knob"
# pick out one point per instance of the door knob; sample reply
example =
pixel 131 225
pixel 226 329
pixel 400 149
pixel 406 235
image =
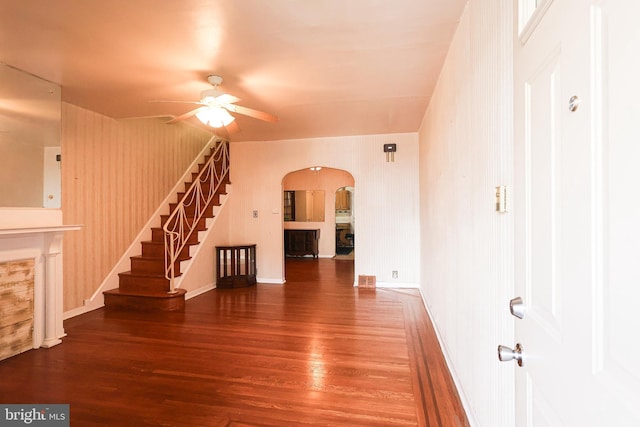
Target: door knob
pixel 516 306
pixel 506 354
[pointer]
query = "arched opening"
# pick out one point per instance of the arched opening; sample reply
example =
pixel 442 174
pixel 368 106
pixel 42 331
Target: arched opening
pixel 312 211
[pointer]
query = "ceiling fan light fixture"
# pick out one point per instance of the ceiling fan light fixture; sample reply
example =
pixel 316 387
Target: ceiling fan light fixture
pixel 216 117
pixel 215 105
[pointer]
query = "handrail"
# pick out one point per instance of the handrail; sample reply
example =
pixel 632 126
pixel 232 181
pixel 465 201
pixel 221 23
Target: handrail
pixel 180 225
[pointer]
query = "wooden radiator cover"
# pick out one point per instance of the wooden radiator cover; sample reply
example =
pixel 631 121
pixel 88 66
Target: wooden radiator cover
pixel 17 281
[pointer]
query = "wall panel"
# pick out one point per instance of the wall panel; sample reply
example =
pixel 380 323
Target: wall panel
pixel 465 152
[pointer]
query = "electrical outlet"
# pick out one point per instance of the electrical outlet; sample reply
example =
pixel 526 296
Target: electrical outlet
pixel 394 274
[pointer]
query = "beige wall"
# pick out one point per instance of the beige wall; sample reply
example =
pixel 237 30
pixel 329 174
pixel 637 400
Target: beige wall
pixel 386 199
pixel 114 176
pixel 465 152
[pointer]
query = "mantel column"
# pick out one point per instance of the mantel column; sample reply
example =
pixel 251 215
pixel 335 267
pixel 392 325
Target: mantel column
pixel 53 327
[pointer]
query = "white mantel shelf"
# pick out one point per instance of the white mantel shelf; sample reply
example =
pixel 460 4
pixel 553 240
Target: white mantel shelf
pixel 34 230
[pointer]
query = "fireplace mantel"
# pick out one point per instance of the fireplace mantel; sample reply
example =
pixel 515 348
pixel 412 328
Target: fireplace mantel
pixel 44 244
pixel 36 230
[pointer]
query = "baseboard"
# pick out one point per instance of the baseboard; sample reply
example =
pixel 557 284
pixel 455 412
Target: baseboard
pixel 80 310
pixel 463 398
pixel 201 290
pixel 270 281
pixel 397 285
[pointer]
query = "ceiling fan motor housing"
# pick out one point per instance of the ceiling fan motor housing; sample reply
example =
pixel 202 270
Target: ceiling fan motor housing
pixel 214 80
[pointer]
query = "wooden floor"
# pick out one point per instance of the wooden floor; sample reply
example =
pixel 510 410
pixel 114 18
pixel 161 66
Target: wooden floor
pixel 316 351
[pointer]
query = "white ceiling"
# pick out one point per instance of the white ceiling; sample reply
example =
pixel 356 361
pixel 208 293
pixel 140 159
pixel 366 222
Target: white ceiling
pixel 324 67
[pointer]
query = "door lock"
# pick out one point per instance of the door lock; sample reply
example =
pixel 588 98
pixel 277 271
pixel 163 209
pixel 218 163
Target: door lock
pixel 506 354
pixel 516 306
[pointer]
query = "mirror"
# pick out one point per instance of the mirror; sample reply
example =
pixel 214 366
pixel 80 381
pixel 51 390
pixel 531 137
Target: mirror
pixel 30 114
pixel 304 205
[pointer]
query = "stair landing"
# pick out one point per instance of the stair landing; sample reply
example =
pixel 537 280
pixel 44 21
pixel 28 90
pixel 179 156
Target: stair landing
pixel 145 301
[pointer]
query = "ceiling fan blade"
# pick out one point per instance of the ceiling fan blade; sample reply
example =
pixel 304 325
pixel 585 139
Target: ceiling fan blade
pixel 187 115
pixel 178 102
pixel 252 113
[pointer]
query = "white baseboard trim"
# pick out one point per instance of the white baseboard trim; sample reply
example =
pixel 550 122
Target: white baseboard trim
pixel 397 285
pixel 80 310
pixel 201 290
pixel 270 281
pixel 463 398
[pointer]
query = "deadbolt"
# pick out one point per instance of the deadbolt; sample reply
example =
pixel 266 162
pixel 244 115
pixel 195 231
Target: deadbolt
pixel 516 306
pixel 506 354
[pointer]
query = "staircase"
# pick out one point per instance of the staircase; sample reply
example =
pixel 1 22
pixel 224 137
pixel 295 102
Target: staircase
pixel 149 285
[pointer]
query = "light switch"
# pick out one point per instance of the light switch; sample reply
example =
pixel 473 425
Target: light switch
pixel 501 199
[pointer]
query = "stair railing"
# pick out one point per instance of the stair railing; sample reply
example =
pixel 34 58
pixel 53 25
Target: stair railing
pixel 190 210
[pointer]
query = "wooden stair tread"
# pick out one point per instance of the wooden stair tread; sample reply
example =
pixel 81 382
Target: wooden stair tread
pixel 157 258
pixel 146 294
pixel 145 275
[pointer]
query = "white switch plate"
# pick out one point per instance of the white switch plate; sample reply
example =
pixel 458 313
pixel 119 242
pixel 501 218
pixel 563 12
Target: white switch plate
pixel 502 198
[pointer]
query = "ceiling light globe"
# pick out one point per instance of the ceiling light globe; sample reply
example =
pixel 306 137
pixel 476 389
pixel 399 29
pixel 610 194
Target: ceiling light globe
pixel 216 117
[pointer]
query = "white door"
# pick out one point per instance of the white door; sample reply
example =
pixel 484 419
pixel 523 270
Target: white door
pixel 577 212
pixel 52 178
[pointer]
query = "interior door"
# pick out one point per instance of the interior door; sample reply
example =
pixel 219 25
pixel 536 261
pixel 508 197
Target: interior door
pixel 577 213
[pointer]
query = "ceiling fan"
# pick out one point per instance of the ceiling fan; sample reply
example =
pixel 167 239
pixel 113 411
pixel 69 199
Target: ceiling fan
pixel 215 105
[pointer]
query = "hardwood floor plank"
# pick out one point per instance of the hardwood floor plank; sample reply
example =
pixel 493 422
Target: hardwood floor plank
pixel 316 351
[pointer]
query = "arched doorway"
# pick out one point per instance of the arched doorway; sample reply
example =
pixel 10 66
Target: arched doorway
pixel 309 203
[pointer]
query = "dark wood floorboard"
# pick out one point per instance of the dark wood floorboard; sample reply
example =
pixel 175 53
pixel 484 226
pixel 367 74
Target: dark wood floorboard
pixel 315 352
